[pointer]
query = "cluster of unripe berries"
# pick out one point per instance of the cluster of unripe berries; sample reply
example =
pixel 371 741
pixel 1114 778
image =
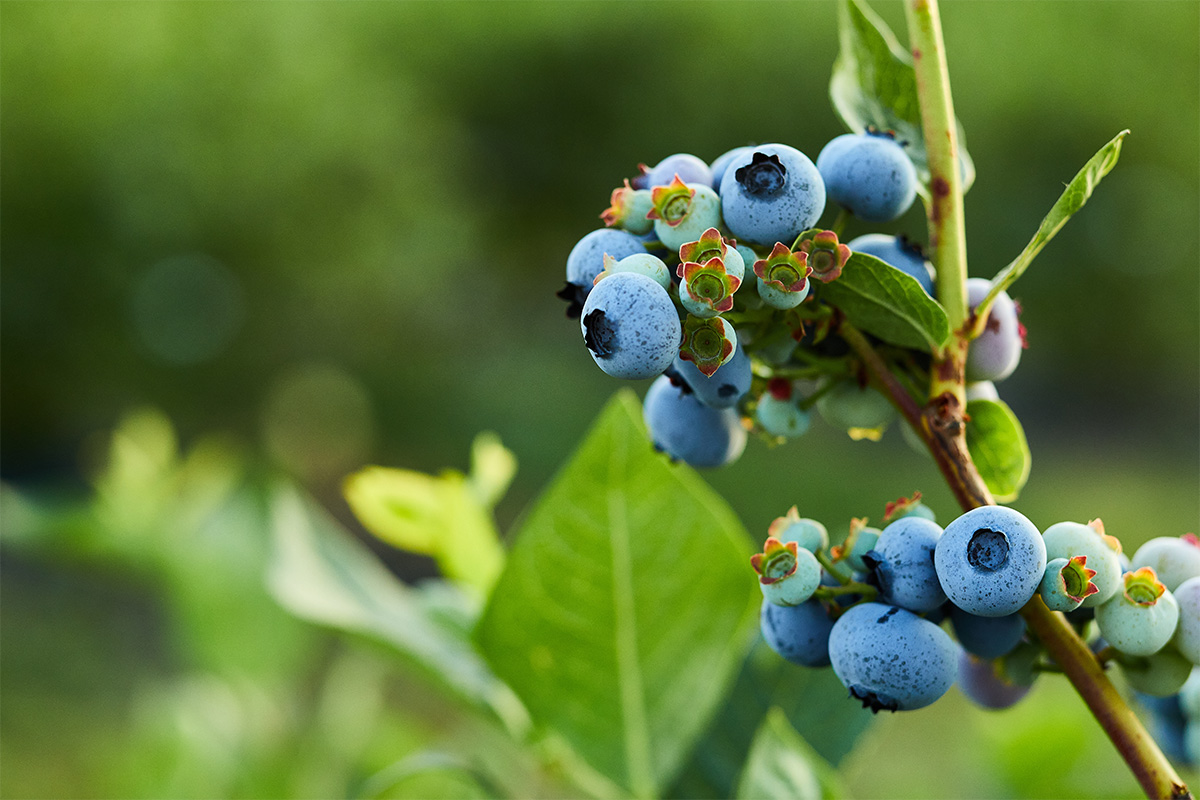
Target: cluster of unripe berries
pixel 880 606
pixel 704 275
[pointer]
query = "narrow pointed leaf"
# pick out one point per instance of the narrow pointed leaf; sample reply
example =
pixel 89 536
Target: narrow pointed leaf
pixel 887 302
pixel 874 84
pixel 996 442
pixel 626 605
pixel 1072 199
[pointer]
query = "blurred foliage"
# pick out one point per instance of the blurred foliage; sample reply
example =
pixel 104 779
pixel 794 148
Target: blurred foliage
pixel 333 231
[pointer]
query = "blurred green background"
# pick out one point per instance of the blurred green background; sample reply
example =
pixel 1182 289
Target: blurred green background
pixel 330 235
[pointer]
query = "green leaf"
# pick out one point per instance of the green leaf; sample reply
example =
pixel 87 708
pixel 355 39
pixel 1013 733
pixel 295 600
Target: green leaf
pixel 492 468
pixel 443 517
pixel 888 302
pixel 626 605
pixel 874 85
pixel 1072 199
pixel 320 573
pixel 782 765
pixel 813 700
pixel 997 445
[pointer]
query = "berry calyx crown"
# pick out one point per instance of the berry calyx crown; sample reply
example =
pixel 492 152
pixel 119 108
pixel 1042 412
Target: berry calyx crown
pixel 776 562
pixel 783 269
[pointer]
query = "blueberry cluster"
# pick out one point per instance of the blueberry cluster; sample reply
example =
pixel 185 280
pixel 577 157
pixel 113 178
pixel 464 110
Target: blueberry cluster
pixel 881 606
pixel 706 277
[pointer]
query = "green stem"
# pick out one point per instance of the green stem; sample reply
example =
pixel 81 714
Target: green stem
pixel 831 568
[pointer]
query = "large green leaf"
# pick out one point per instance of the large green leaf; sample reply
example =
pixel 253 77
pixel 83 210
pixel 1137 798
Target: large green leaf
pixel 813 700
pixel 885 301
pixel 782 765
pixel 626 605
pixel 874 85
pixel 1070 201
pixel 320 573
pixel 996 442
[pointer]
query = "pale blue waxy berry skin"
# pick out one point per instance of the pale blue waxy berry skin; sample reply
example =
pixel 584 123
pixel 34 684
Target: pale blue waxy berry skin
pixel 781 417
pixel 980 682
pixel 1053 590
pixel 807 533
pixel 1070 539
pixel 892 250
pixel 1137 629
pixel 1187 630
pixel 869 174
pixel 798 587
pixel 721 163
pixel 704 212
pixel 770 194
pixel 728 385
pixel 891 659
pixel 689 431
pixel 1174 559
pixel 987 637
pixel 586 259
pixel 630 326
pixel 995 353
pixel 863 544
pixel 902 564
pixel 798 633
pixel 990 561
pixel 645 264
pixel 689 168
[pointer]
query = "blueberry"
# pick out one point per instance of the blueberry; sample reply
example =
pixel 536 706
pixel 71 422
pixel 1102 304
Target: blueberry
pixel 586 261
pixel 901 564
pixel 990 561
pixel 642 263
pixel 1187 632
pixel 987 637
pixel 807 533
pixel 721 163
pixel 891 659
pixel 1175 559
pixel 777 412
pixel 899 253
pixel 1069 539
pixel 982 684
pixel 630 326
pixel 685 429
pixel 728 385
pixel 995 353
pixel 1159 675
pixel 1066 583
pixel 1141 618
pixel 771 194
pixel 689 168
pixel 869 174
pixel 798 633
pixel 683 212
pixel 982 390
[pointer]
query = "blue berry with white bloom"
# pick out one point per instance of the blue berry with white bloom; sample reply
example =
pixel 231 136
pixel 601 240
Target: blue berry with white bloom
pixel 689 168
pixel 721 163
pixel 586 259
pixel 798 633
pixel 987 637
pixel 869 174
pixel 686 429
pixel 630 326
pixel 901 564
pixel 725 387
pixel 899 253
pixel 771 194
pixel 990 561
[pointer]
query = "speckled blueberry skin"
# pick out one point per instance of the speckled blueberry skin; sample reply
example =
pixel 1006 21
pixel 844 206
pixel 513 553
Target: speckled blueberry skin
pixel 1173 558
pixel 978 681
pixel 901 564
pixel 798 633
pixel 726 387
pixel 990 561
pixel 586 260
pixel 1187 630
pixel 987 637
pixel 686 430
pixel 1070 539
pixel 630 326
pixel 703 213
pixel 891 250
pixel 891 659
pixel 774 199
pixel 721 163
pixel 995 353
pixel 869 174
pixel 689 168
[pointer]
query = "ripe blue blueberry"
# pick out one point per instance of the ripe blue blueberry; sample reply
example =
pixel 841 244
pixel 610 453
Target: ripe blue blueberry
pixel 771 194
pixel 995 353
pixel 982 683
pixel 798 633
pixel 899 253
pixel 990 561
pixel 630 326
pixel 901 564
pixel 891 659
pixel 721 163
pixel 689 168
pixel 987 637
pixel 725 387
pixel 586 261
pixel 869 174
pixel 687 430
